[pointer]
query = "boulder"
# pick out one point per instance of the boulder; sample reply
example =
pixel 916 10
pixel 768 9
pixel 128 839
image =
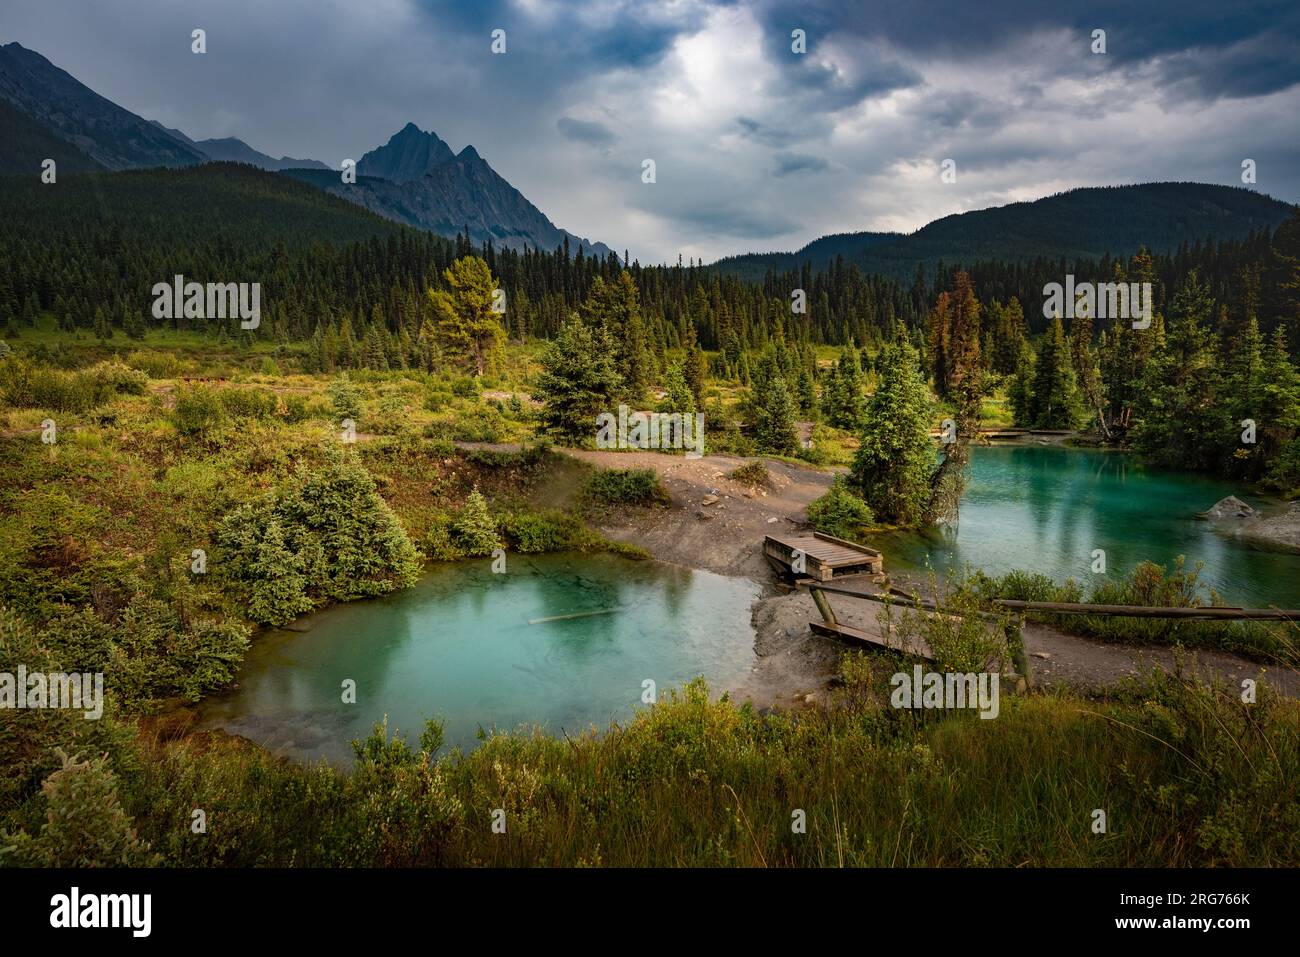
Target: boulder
pixel 1230 507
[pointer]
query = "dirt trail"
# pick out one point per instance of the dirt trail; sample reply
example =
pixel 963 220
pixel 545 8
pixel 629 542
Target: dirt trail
pixel 724 536
pixel 794 666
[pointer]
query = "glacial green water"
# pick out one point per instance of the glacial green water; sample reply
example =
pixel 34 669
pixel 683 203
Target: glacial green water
pixel 1045 508
pixel 459 646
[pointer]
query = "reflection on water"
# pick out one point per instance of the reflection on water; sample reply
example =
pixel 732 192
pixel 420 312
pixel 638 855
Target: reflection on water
pixel 459 646
pixel 1045 509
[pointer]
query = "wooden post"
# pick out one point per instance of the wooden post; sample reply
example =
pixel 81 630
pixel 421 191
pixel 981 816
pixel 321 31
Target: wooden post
pixel 823 605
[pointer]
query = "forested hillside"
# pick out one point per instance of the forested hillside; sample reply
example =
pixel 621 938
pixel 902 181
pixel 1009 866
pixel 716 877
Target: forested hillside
pixel 1079 224
pixel 101 242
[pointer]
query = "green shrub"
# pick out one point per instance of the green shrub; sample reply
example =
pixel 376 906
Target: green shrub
pixel 1021 586
pixel 960 635
pixel 345 398
pixel 840 512
pixel 626 487
pixel 537 532
pixel 438 399
pixel 439 443
pixel 25 384
pixel 465 387
pixel 753 473
pixel 439 542
pixel 326 536
pixel 475 530
pixel 85 824
pixel 249 403
pixel 1284 475
pixel 198 411
pixel 1149 585
pixel 114 378
pixel 479 423
pixel 294 408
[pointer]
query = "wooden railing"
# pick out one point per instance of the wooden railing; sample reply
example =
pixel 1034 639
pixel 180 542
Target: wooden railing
pixel 819 590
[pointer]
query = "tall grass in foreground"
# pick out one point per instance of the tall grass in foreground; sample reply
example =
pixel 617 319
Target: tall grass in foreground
pixel 1187 775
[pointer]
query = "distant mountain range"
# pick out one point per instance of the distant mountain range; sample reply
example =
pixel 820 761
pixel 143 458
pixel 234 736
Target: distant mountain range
pixel 230 150
pixel 414 178
pixel 1083 223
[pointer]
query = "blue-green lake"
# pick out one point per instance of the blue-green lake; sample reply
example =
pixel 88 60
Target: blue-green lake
pixel 465 644
pixel 1046 508
pixel 459 646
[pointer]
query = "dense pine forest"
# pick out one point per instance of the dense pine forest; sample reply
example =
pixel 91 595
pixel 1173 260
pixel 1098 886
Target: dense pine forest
pixel 1227 314
pixel 322 260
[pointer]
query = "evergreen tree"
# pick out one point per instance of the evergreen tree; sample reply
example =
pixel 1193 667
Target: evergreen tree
pixel 1020 387
pixel 468 331
pixel 846 401
pixel 939 326
pixel 475 530
pixel 696 368
pixel 578 382
pixel 278 588
pixel 1241 363
pixel 895 461
pixel 347 345
pixel 1179 419
pixel 677 394
pixel 1054 398
pixel 1278 421
pixel 774 422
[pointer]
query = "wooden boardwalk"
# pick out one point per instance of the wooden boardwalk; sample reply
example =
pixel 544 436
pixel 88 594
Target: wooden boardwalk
pixel 822 557
pixel 856 636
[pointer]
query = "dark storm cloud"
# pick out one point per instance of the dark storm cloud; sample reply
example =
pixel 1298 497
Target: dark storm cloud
pixel 762 132
pixel 966 109
pixel 738 218
pixel 787 163
pixel 590 37
pixel 1226 49
pixel 758 147
pixel 585 131
pixel 833 86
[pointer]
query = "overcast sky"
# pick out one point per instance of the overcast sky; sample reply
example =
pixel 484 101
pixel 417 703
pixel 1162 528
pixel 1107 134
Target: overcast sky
pixel 757 148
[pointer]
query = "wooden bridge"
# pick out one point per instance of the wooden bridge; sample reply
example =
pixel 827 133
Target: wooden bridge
pixel 821 557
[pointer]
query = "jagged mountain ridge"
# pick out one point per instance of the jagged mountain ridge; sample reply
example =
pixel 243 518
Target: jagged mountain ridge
pixel 414 178
pixel 113 137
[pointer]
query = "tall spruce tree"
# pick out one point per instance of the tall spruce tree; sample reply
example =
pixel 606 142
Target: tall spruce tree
pixel 1179 419
pixel 469 332
pixel 1054 397
pixel 774 418
pixel 579 381
pixel 895 461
